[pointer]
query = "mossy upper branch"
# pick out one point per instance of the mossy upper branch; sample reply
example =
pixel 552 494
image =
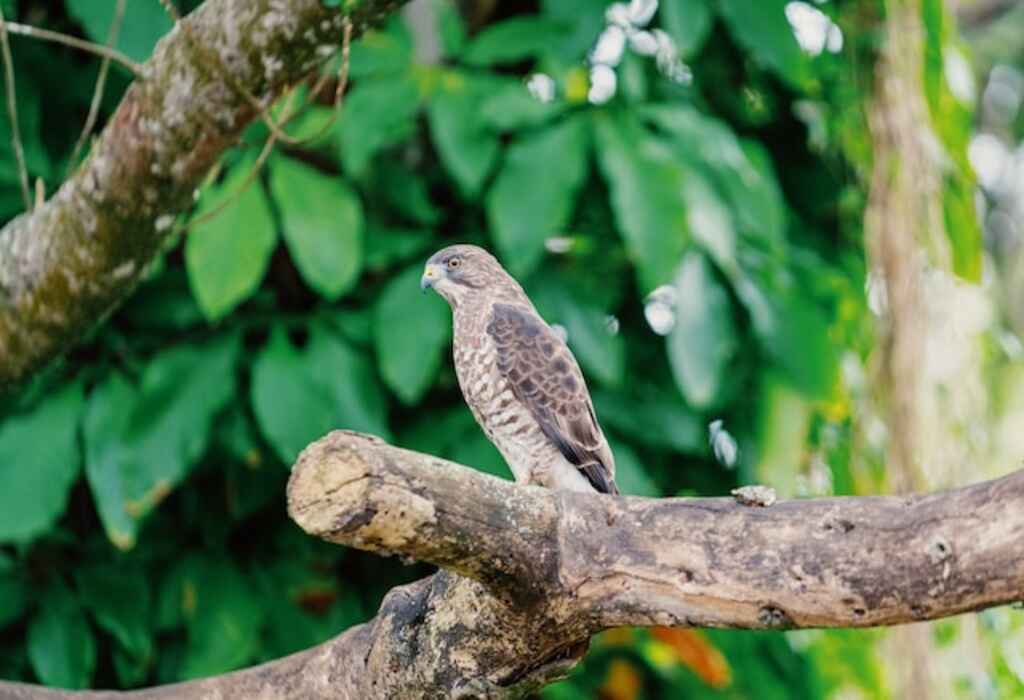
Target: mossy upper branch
pixel 68 263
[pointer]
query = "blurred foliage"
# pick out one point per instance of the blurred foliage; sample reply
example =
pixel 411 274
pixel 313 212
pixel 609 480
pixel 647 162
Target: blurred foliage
pixel 143 533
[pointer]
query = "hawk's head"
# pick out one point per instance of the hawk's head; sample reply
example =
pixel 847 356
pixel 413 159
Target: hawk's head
pixel 458 270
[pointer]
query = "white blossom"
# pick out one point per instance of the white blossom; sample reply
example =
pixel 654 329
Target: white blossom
pixel 542 87
pixel 602 84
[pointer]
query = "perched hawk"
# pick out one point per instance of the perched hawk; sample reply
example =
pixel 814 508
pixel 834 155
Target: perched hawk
pixel 519 377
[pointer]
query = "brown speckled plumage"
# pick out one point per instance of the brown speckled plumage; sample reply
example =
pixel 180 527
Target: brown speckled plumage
pixel 518 376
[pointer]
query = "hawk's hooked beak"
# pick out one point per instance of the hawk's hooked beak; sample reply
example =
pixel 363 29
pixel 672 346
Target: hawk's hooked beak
pixel 430 275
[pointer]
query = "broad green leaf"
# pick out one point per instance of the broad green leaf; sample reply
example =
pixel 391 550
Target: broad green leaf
pixel 406 194
pixel 646 194
pixel 654 416
pixel 141 440
pixel 703 340
pixel 60 642
pixel 39 462
pixel 450 27
pixel 14 591
pixel 742 172
pixel 387 246
pixel 687 22
pixel 601 353
pixel 534 194
pixel 323 226
pixel 144 22
pixel 762 28
pixel 468 148
pixel 512 107
pixel 300 396
pixel 227 256
pixel 411 330
pixel 381 51
pixel 118 598
pixel 475 450
pixel 377 113
pixel 224 627
pixel 630 475
pixel 581 22
pixel 794 334
pixel 511 40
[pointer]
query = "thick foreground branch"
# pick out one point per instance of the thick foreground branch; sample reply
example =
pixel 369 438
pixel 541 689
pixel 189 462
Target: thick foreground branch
pixel 68 263
pixel 531 574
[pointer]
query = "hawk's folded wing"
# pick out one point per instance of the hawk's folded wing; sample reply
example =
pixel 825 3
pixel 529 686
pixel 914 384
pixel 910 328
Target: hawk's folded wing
pixel 544 376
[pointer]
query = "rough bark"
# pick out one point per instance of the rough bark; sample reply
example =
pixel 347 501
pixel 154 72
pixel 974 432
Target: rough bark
pixel 530 574
pixel 67 264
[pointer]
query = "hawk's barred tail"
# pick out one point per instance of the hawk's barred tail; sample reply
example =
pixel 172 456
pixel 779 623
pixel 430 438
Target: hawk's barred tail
pixel 598 477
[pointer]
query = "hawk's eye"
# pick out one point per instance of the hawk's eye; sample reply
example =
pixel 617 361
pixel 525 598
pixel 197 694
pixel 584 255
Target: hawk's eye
pixel 453 262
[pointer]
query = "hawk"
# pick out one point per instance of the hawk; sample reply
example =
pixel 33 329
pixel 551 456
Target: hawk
pixel 518 377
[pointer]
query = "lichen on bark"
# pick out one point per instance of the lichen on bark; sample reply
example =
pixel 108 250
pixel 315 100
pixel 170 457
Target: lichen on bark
pixel 66 265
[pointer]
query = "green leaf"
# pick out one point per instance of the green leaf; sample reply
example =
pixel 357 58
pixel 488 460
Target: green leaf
pixel 411 329
pixel 475 450
pixel 630 475
pixel 118 598
pixel 646 192
pixel 703 340
pixel 794 335
pixel 227 256
pixel 39 462
pixel 512 107
pixel 299 396
pixel 387 246
pixel 60 643
pixel 688 22
pixel 378 52
pixel 377 113
pixel 142 440
pixel 655 416
pixel 511 40
pixel 467 147
pixel 450 27
pixel 323 226
pixel 602 354
pixel 742 172
pixel 14 592
pixel 224 626
pixel 762 28
pixel 534 194
pixel 144 22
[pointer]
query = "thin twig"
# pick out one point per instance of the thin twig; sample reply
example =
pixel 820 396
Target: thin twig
pixel 101 82
pixel 12 112
pixel 75 43
pixel 275 134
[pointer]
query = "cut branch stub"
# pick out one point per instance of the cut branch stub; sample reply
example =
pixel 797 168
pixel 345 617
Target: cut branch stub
pixel 357 490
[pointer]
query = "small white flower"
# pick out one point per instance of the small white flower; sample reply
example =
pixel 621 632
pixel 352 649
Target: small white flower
pixel 660 309
pixel 542 87
pixel 643 43
pixel 558 245
pixel 560 331
pixel 667 59
pixel 611 324
pixel 609 47
pixel 602 84
pixel 640 12
pixel 722 444
pixel 618 14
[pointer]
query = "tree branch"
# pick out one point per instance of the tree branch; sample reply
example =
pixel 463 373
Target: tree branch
pixel 67 264
pixel 531 574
